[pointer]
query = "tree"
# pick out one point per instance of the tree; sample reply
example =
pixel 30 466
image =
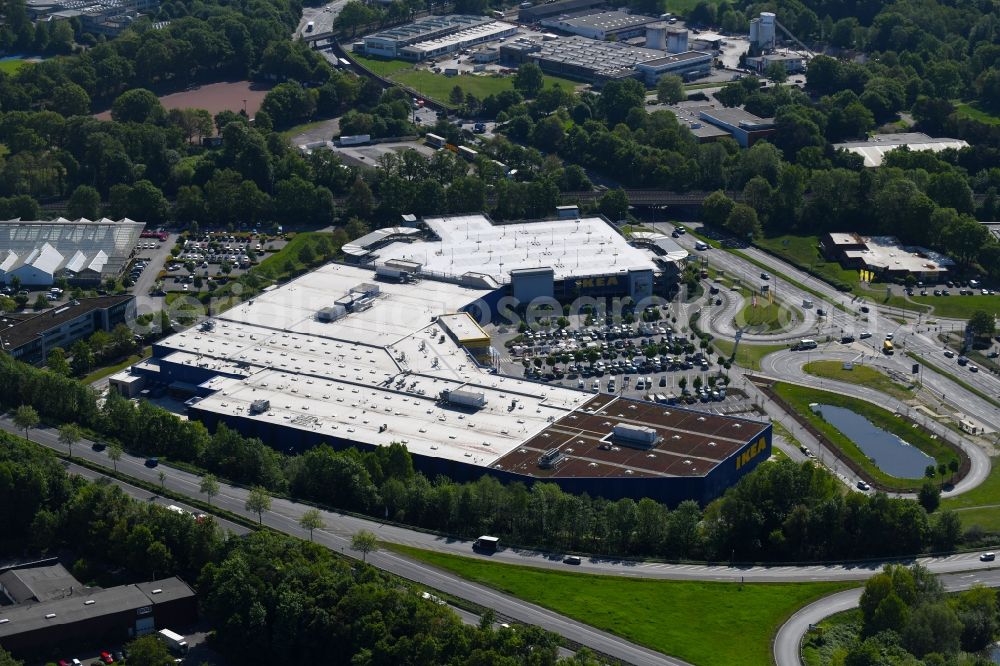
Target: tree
pixel 7 660
pixel 776 72
pixel 69 99
pixel 115 452
pixel 457 96
pixel 209 486
pixel 137 106
pixel 41 302
pixel 162 477
pixel 258 501
pixel 982 324
pixel 364 542
pixel 69 435
pixel 932 627
pixel 57 363
pixel 929 496
pixel 26 417
pixel 529 79
pixel 742 222
pixel 149 651
pixel 614 204
pixel 84 202
pixel 312 520
pixel 715 209
pixel 670 89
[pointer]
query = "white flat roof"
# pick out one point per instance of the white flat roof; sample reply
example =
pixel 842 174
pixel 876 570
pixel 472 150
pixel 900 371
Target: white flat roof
pixel 571 247
pixel 463 326
pixel 401 308
pixel 383 366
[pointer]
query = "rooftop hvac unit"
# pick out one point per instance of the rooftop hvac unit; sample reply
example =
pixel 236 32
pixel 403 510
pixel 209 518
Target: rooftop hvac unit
pixel 464 398
pixel 259 406
pixel 635 436
pixel 332 313
pixel 550 459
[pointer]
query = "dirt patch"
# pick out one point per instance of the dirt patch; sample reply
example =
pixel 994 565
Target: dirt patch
pixel 214 97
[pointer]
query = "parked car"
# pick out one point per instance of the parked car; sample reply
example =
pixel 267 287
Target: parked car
pixel 863 486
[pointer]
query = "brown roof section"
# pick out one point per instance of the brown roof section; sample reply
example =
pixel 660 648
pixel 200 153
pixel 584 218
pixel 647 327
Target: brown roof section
pixel 18 333
pixel 691 443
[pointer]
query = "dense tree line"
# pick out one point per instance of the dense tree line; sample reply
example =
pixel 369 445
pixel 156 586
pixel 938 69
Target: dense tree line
pixel 271 599
pixel 782 511
pixel 905 618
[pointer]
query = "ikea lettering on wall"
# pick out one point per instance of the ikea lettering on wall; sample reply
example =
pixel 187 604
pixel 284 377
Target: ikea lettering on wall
pixel 751 452
pixel 589 283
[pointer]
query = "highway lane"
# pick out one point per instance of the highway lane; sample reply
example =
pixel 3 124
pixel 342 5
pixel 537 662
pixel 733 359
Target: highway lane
pixel 787 643
pixel 284 515
pixel 914 335
pixel 787 365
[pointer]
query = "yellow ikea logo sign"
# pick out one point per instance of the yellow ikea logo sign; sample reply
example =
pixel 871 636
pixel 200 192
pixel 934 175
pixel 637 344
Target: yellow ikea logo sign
pixel 597 282
pixel 751 452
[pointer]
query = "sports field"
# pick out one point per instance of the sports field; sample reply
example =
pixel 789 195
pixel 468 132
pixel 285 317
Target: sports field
pixel 215 97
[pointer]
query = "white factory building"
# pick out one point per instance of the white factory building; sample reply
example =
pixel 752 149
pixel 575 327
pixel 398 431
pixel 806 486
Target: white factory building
pixel 35 253
pixel 434 36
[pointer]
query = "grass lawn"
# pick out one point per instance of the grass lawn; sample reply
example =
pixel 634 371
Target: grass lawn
pixel 382 66
pixel 439 86
pixel 11 66
pixel 803 251
pixel 288 260
pixel 800 397
pixel 304 127
pixel 100 373
pixel 975 113
pixel 970 505
pixel 959 307
pixel 693 620
pixel 766 317
pixel 747 356
pixel 861 374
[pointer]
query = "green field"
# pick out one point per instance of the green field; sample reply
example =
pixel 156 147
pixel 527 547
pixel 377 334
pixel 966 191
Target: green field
pixel 960 307
pixel 800 397
pixel 975 113
pixel 860 374
pixel 11 66
pixel 803 251
pixel 439 86
pixel 100 373
pixel 288 261
pixel 766 317
pixel 981 505
pixel 705 623
pixel 747 356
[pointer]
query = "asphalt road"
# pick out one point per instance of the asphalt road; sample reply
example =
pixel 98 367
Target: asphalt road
pixel 789 638
pixel 284 516
pixel 789 364
pixel 915 335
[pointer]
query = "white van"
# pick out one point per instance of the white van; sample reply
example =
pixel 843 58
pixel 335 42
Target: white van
pixel 701 245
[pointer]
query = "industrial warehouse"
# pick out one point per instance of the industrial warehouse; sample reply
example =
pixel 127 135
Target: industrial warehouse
pixel 83 251
pixel 45 607
pixel 354 358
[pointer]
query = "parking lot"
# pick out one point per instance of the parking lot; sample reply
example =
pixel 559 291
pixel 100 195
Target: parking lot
pixel 207 257
pixel 646 360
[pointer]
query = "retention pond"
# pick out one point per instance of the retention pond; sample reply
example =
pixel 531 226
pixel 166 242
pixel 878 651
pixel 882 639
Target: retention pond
pixel 889 452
